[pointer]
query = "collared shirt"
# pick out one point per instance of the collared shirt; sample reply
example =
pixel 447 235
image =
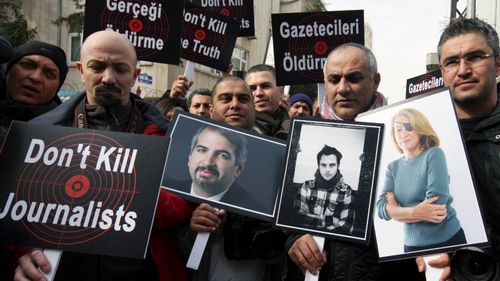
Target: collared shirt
pixel 216 197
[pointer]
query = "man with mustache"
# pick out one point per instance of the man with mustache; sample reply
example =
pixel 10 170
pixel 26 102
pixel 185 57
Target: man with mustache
pixel 226 258
pixel 351 82
pixel 34 74
pixel 108 70
pixel 216 160
pixel 469 59
pixel 232 103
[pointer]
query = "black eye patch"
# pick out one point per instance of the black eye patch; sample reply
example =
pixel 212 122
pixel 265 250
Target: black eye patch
pixel 408 127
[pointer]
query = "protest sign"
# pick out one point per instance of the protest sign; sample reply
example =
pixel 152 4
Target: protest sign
pixel 239 9
pixel 152 26
pixel 208 37
pixel 302 42
pixel 79 190
pixel 424 83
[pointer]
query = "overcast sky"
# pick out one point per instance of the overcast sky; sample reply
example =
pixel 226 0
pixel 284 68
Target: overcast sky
pixel 403 33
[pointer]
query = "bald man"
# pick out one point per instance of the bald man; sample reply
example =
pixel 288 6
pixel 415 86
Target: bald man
pixel 108 70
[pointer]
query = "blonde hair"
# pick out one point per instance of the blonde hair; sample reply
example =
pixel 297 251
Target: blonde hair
pixel 427 136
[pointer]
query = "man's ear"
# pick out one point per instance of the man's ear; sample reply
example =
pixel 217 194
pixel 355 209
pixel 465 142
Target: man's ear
pixel 376 80
pixel 80 69
pixel 239 169
pixel 497 64
pixel 282 90
pixel 136 73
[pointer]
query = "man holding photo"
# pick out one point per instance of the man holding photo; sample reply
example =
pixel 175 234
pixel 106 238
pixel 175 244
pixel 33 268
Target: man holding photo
pixel 469 59
pixel 226 258
pixel 351 82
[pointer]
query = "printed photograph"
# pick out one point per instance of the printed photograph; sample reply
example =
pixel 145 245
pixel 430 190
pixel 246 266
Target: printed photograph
pixel 330 178
pixel 226 167
pixel 426 200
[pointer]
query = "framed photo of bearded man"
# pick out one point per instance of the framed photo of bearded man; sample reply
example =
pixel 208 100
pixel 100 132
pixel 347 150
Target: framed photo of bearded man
pixel 212 162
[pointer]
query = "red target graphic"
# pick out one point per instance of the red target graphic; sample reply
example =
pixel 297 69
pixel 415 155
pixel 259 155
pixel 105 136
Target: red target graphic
pixel 200 34
pixel 313 49
pixel 77 186
pixel 320 48
pixel 142 25
pixel 225 11
pixel 209 37
pixel 135 25
pixel 80 190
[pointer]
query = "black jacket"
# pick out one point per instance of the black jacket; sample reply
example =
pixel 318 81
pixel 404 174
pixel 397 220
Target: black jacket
pixel 236 196
pixel 483 147
pixel 273 125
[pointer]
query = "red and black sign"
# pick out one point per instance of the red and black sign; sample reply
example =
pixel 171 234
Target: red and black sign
pixel 424 83
pixel 208 37
pixel 242 10
pixel 79 190
pixel 302 42
pixel 151 25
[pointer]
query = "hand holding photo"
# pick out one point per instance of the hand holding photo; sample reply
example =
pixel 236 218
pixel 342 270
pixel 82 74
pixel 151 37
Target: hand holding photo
pixel 330 179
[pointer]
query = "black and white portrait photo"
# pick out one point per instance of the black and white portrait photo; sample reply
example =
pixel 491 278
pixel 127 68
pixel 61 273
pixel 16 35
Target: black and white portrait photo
pixel 329 178
pixel 210 162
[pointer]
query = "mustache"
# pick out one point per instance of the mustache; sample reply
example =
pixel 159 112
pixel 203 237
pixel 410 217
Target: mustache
pixel 108 88
pixel 467 80
pixel 212 169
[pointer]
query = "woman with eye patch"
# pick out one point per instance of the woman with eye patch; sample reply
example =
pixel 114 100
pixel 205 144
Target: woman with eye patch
pixel 416 187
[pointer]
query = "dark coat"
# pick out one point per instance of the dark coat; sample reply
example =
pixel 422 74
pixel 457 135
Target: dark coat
pixel 163 261
pixel 483 147
pixel 236 196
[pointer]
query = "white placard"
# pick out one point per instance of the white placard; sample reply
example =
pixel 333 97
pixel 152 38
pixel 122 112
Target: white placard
pixel 198 248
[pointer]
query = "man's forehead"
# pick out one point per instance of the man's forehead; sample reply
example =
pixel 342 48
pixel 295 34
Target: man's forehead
pixel 348 58
pixel 232 87
pixel 107 57
pixel 209 134
pixel 40 59
pixel 301 103
pixel 260 77
pixel 464 43
pixel 330 158
pixel 112 52
pixel 200 99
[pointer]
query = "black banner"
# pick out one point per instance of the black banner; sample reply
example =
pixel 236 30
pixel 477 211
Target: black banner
pixel 151 25
pixel 424 83
pixel 88 191
pixel 208 37
pixel 239 9
pixel 302 42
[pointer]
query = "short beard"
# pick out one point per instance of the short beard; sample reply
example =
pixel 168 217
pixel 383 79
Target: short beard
pixel 469 101
pixel 107 101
